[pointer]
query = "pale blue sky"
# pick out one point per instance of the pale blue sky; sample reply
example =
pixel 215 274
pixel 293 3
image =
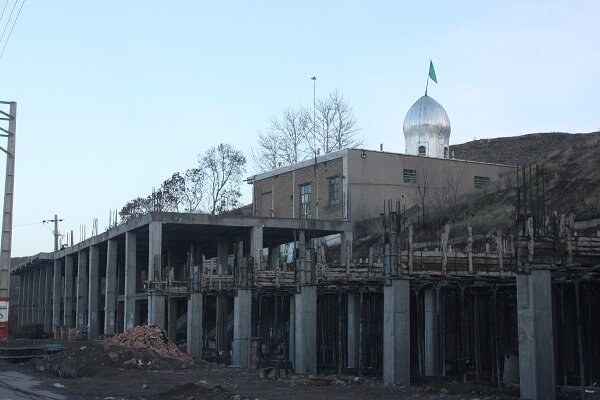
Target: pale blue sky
pixel 115 96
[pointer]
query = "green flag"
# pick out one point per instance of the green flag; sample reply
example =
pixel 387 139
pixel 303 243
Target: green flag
pixel 432 72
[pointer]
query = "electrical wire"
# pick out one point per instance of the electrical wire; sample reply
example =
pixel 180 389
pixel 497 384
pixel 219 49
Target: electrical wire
pixel 13 27
pixel 8 20
pixel 4 9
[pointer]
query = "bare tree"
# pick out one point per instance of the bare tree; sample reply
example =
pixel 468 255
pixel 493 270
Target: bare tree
pixel 345 127
pixel 292 131
pixel 336 125
pixel 194 190
pixel 268 155
pixel 224 167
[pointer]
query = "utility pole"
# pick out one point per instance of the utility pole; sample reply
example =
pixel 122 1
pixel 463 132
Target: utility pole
pixel 6 239
pixel 314 79
pixel 55 231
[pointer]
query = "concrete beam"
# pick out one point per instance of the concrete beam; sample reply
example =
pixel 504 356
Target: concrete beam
pixel 305 330
pixel 82 292
pixel 536 339
pixel 195 327
pixel 56 294
pixel 396 332
pixel 130 279
pixel 93 292
pixel 110 297
pixel 68 308
pixel 242 328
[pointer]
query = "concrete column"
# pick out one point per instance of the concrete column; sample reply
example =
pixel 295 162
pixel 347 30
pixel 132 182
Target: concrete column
pixel 22 299
pixel 110 296
pixel 156 302
pixel 41 309
pixel 346 247
pixel 305 330
pixel 292 330
pixel 353 328
pixel 130 279
pixel 30 297
pixel 431 359
pixel 154 251
pixel 242 328
pixel 221 322
pixel 172 325
pixel 94 292
pixel 396 332
pixel 82 292
pixel 56 294
pixel 68 309
pixel 274 253
pixel 48 295
pixel 256 246
pixel 222 254
pixel 156 310
pixel 536 341
pixel 195 326
pixel 35 296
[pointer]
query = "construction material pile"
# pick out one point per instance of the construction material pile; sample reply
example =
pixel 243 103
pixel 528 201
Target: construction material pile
pixel 149 337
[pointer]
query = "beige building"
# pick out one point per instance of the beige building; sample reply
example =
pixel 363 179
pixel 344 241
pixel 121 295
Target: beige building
pixel 353 184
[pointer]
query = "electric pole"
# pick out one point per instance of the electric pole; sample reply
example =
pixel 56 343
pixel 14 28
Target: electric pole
pixel 55 231
pixel 6 239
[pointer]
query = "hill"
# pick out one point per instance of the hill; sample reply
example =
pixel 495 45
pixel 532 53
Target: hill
pixel 525 149
pixel 569 166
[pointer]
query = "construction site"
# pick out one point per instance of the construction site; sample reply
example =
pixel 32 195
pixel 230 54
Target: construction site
pixel 406 300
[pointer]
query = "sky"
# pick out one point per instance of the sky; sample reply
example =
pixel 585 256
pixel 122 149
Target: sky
pixel 115 96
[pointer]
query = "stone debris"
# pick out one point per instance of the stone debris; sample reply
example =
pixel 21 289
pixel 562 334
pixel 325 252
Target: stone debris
pixel 150 337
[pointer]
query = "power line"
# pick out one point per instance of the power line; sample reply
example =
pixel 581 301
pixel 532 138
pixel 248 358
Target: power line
pixel 8 20
pixel 13 27
pixel 4 9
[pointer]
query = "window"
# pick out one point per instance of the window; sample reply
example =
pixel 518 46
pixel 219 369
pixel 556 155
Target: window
pixel 481 181
pixel 305 198
pixel 334 191
pixel 422 151
pixel 410 176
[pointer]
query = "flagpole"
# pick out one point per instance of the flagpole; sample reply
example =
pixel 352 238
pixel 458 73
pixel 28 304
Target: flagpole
pixel 427 84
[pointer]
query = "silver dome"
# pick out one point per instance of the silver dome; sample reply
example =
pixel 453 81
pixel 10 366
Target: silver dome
pixel 427 129
pixel 426 118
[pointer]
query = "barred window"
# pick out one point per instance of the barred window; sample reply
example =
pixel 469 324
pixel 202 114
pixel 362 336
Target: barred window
pixel 481 181
pixel 305 199
pixel 410 176
pixel 334 191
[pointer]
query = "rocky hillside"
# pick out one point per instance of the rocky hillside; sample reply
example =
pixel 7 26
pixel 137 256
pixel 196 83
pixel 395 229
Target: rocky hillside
pixel 571 165
pixel 525 149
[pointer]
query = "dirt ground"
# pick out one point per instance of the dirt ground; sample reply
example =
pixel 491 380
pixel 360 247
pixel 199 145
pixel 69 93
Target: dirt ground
pixel 96 370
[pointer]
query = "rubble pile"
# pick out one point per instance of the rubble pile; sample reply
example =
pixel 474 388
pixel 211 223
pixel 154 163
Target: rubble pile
pixel 149 337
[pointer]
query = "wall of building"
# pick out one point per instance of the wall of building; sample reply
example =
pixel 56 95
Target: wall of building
pixel 369 179
pixel 375 177
pixel 279 195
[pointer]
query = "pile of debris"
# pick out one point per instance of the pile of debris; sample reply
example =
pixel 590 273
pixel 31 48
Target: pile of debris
pixel 149 337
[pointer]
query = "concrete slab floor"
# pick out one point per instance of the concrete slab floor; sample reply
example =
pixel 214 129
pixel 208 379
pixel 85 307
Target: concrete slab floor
pixel 16 385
